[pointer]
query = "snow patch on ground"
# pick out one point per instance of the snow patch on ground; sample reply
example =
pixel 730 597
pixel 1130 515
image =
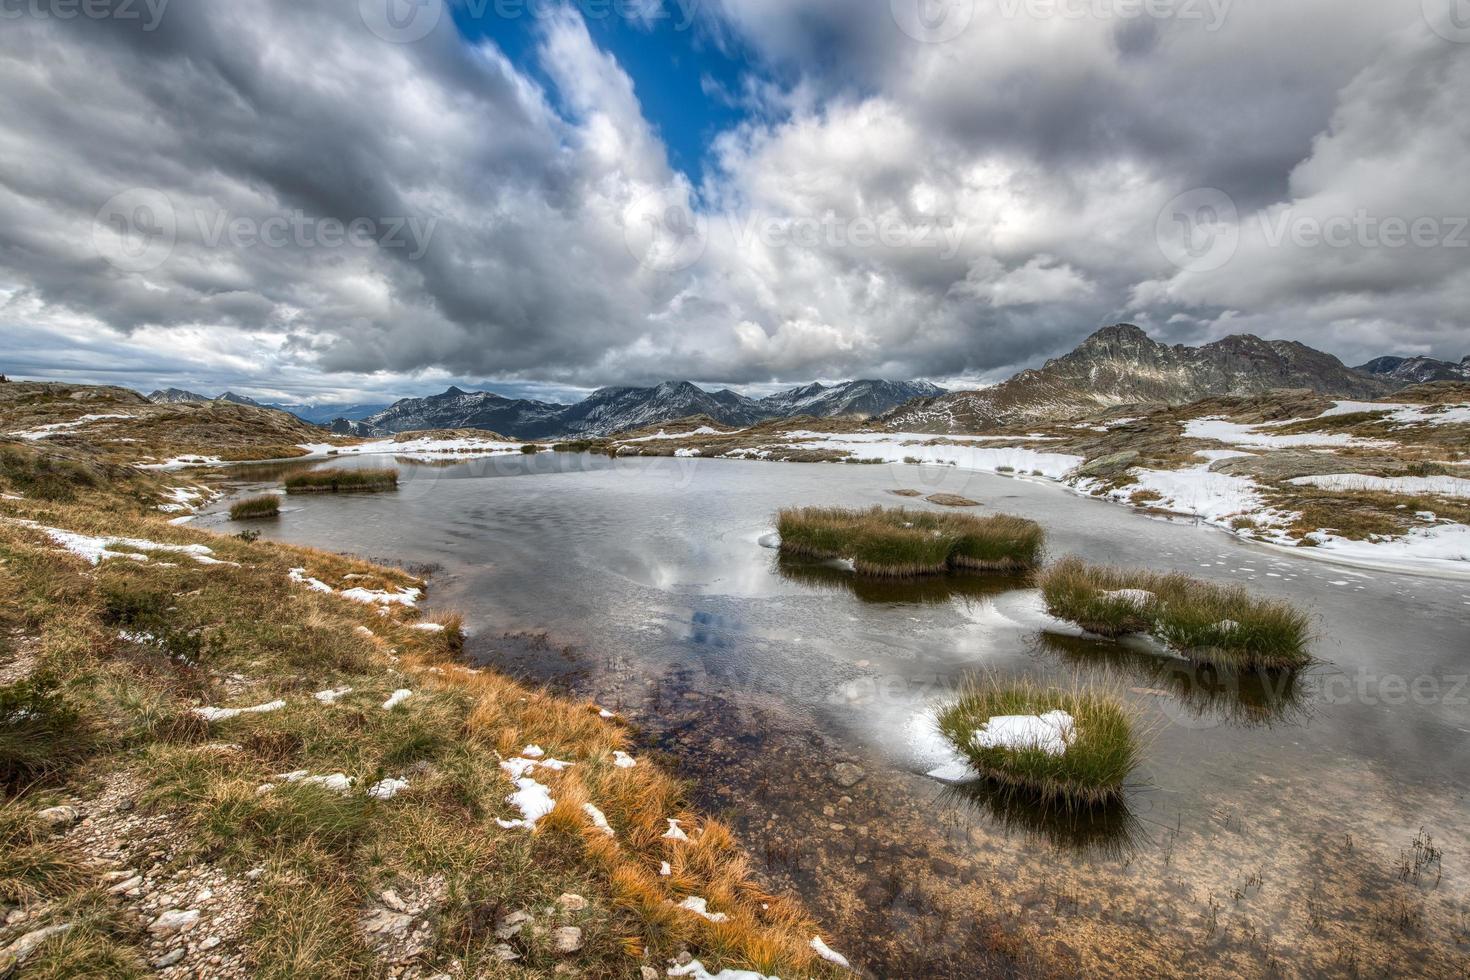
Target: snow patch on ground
pixel 1220 429
pixel 396 698
pixel 830 955
pixel 695 971
pixel 57 428
pixel 599 819
pixel 898 447
pixel 1439 486
pixel 700 907
pixel 95 549
pixel 224 714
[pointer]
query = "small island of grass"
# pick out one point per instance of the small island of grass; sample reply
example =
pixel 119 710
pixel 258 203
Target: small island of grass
pixel 1072 749
pixel 254 508
pixel 1208 623
pixel 901 543
pixel 343 481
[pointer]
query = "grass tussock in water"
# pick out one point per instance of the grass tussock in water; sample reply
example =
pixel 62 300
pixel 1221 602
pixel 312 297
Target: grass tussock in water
pixel 1102 742
pixel 1209 623
pixel 374 480
pixel 901 543
pixel 268 505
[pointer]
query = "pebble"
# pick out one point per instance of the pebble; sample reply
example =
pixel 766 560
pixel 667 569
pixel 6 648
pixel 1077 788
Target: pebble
pixel 511 925
pixel 174 920
pixel 846 775
pixel 572 903
pixel 168 959
pixel 57 817
pixel 567 939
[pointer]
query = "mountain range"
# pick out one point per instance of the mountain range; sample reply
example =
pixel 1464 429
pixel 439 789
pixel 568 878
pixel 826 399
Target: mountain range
pixel 316 414
pixel 1417 370
pixel 1122 365
pixel 610 410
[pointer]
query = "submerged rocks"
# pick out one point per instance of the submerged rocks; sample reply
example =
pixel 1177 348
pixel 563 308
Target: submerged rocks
pixel 847 775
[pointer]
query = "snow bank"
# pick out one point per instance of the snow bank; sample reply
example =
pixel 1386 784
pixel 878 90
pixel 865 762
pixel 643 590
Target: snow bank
pixel 1214 497
pixel 1441 549
pixel 1439 486
pixel 1405 413
pixel 1051 732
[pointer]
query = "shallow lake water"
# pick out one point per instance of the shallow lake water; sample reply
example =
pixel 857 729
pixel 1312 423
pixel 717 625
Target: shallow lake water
pixel 1311 825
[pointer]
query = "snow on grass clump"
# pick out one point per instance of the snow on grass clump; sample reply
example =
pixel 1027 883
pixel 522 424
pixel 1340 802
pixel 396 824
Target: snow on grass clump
pixel 1073 748
pixel 598 818
pixel 1050 733
pixel 695 970
pixel 1208 623
pixel 396 698
pixel 700 907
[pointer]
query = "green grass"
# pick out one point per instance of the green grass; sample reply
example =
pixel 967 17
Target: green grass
pixel 1217 624
pixel 267 505
pixel 901 543
pixel 1104 750
pixel 343 481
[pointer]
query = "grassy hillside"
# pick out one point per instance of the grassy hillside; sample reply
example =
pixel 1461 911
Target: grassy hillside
pixel 222 757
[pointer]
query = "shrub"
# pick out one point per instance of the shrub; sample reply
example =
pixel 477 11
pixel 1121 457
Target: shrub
pixel 1101 749
pixel 40 732
pixel 902 543
pixel 530 450
pixel 266 505
pixel 343 481
pixel 1209 623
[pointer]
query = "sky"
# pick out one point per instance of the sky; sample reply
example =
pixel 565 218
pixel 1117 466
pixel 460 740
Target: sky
pixel 358 200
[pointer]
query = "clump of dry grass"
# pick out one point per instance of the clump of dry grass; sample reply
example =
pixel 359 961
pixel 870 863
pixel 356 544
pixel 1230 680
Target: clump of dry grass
pixel 266 505
pixel 902 543
pixel 343 480
pixel 1219 624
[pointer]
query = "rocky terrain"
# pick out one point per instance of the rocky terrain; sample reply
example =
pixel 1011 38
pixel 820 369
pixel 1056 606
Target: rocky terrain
pixel 1122 365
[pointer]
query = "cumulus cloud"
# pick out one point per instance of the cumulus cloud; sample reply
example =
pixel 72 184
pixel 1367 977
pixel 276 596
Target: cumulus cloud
pixel 274 189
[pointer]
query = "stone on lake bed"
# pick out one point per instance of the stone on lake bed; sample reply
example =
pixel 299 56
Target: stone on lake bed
pixel 846 775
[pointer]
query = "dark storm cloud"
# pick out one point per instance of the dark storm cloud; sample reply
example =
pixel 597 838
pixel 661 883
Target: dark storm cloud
pixel 503 221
